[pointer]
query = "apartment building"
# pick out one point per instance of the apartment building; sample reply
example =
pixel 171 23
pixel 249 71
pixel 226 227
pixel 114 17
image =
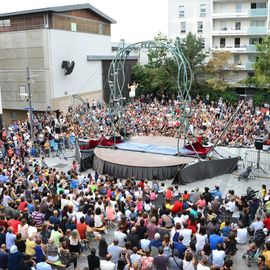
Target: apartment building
pixel 231 25
pixel 190 16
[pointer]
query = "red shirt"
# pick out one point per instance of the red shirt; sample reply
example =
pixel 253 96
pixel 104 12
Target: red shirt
pixel 192 227
pixel 185 197
pixel 22 206
pixel 266 223
pixel 14 223
pixel 81 227
pixel 168 194
pixel 177 207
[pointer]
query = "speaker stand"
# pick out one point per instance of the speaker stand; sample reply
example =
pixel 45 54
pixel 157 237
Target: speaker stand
pixel 258 166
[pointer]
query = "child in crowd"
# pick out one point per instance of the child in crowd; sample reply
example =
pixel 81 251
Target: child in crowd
pixel 162 188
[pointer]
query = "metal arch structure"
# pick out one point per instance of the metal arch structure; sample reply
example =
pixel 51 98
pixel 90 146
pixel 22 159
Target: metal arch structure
pixel 116 81
pixel 74 97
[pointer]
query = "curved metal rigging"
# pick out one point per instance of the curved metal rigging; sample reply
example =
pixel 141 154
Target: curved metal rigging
pixel 116 79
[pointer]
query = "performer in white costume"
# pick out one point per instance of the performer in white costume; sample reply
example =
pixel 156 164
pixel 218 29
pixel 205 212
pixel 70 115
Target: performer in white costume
pixel 132 89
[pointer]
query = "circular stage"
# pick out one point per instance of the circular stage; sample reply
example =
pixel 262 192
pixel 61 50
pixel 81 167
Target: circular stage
pixel 142 165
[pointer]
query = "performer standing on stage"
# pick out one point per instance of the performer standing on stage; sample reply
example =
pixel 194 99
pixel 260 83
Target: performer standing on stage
pixel 132 89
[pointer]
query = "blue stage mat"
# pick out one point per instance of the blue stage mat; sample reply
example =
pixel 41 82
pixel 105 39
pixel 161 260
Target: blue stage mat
pixel 151 148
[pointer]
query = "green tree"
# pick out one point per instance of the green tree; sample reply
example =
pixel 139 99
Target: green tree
pixel 157 56
pixel 262 64
pixel 158 76
pixel 218 68
pixel 193 48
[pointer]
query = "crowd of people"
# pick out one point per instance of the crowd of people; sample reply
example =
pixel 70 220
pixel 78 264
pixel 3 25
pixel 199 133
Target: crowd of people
pixel 150 117
pixel 51 218
pixel 53 132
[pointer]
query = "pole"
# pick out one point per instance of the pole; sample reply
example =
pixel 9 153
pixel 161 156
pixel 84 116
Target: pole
pixel 30 103
pixel 225 129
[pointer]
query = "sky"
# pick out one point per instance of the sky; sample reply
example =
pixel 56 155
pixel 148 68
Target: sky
pixel 137 20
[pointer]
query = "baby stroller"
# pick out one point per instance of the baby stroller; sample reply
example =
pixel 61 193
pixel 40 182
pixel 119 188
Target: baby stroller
pixel 256 248
pixel 247 174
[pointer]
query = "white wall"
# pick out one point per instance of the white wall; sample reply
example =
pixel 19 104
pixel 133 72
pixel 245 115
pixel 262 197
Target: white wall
pixel 192 16
pixel 74 46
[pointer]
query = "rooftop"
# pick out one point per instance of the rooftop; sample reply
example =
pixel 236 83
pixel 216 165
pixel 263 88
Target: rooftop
pixel 60 9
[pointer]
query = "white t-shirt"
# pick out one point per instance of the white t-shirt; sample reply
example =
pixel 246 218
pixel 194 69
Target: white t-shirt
pixel 145 244
pixel 107 265
pixel 79 215
pixel 218 257
pixel 120 236
pixel 230 206
pixel 186 233
pixel 202 267
pixel 242 236
pixel 98 221
pixel 200 241
pixel 257 225
pixel 32 231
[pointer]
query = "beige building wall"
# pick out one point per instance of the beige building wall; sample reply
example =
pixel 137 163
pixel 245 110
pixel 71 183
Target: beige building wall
pixel 17 51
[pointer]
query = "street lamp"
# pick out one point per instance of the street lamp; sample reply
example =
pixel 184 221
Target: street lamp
pixel 29 96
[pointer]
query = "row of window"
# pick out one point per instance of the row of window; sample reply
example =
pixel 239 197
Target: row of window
pixel 238 8
pixel 202 11
pixel 253 23
pixel 238 24
pixel 237 42
pixel 237 59
pixel 183 27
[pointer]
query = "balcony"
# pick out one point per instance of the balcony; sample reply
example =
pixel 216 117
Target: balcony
pixel 249 66
pixel 259 12
pixel 251 48
pixel 251 31
pixel 229 32
pixel 260 30
pixel 228 15
pixel 236 49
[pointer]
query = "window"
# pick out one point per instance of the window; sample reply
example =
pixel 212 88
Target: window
pixel 5 23
pixel 203 43
pixel 251 58
pixel 237 43
pixel 238 7
pixel 258 5
pixel 14 116
pixel 74 26
pixel 202 10
pixel 181 11
pixel 236 59
pixel 237 25
pixel 200 27
pixel 101 29
pixel 183 26
pixel 261 5
pixel 253 41
pixel 223 26
pixel 222 42
pixel 257 23
pixel 22 92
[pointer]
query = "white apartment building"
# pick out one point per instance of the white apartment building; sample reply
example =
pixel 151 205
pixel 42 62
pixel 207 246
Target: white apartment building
pixel 231 25
pixel 190 16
